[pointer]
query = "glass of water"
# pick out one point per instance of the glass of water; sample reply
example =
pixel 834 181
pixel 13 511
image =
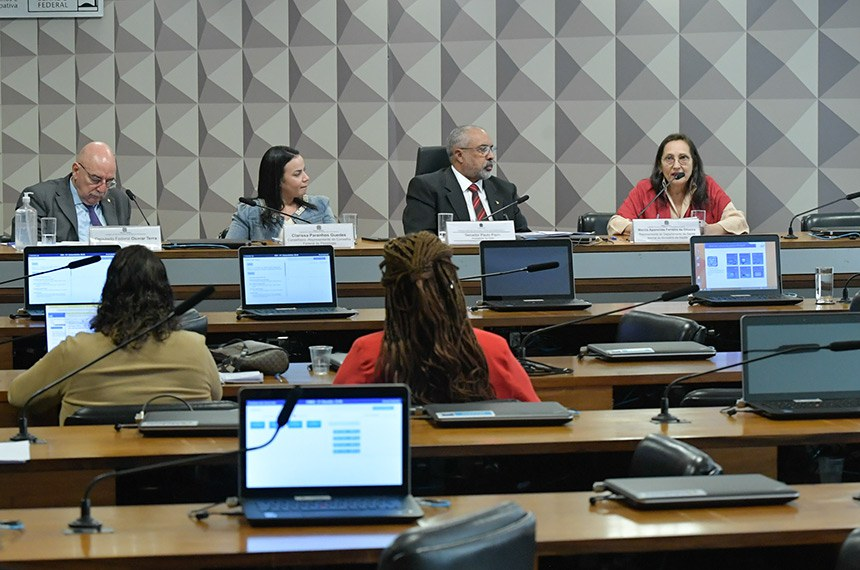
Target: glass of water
pixel 442 220
pixel 824 286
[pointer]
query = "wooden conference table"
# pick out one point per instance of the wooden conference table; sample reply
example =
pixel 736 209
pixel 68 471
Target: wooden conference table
pixel 60 469
pixel 145 536
pixel 590 385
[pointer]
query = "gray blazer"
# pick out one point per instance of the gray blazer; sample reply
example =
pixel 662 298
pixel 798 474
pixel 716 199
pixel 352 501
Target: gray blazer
pixel 437 192
pixel 53 199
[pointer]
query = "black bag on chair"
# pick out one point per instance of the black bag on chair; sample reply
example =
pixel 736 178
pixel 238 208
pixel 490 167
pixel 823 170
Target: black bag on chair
pixel 241 355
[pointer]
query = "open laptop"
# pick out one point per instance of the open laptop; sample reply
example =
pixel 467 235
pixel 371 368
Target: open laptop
pixel 66 286
pixel 653 350
pixel 548 290
pixel 808 384
pixel 738 270
pixel 699 491
pixel 495 413
pixel 63 321
pixel 289 282
pixel 343 456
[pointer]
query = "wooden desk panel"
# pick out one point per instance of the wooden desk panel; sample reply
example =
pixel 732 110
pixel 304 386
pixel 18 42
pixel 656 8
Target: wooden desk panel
pixel 566 525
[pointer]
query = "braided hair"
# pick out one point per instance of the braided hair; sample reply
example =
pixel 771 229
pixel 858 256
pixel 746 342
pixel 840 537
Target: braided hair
pixel 428 342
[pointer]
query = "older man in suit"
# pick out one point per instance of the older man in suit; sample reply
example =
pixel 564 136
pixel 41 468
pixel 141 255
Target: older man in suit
pixel 87 197
pixel 467 189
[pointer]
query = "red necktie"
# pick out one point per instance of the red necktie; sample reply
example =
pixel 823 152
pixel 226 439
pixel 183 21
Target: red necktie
pixel 480 213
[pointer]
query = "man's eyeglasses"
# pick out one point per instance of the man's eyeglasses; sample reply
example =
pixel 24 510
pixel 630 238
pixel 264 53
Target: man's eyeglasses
pixel 110 183
pixel 484 149
pixel 669 160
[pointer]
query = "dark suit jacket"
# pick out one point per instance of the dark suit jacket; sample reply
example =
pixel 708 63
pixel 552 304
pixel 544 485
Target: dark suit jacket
pixel 53 199
pixel 438 192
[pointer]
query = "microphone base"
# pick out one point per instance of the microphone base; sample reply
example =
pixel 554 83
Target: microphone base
pixel 27 437
pixel 789 236
pixel 88 530
pixel 667 418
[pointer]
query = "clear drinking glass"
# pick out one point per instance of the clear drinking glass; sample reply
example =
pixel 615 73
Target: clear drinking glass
pixel 49 231
pixel 442 220
pixel 320 359
pixel 346 218
pixel 824 286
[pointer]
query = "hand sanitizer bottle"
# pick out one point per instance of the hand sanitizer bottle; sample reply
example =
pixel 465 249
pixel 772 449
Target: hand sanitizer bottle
pixel 25 224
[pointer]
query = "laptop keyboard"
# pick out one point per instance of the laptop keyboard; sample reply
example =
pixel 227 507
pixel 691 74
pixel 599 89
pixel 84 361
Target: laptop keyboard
pixel 347 504
pixel 304 311
pixel 745 298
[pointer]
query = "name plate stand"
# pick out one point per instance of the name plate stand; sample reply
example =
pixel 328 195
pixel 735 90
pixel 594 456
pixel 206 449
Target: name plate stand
pixel 473 233
pixel 336 235
pixel 677 230
pixel 147 236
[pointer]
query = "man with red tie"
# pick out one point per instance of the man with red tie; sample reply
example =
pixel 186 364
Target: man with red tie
pixel 467 189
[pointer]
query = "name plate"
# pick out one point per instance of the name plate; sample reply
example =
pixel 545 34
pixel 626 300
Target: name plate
pixel 473 233
pixel 337 235
pixel 148 236
pixel 678 230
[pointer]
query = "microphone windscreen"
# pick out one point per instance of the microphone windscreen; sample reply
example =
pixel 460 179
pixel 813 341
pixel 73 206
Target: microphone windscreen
pixel 247 201
pixel 670 295
pixel 542 266
pixel 189 303
pixel 85 261
pixel 852 196
pixel 841 345
pixel 522 198
pixel 289 405
pixel 679 175
pixel 130 195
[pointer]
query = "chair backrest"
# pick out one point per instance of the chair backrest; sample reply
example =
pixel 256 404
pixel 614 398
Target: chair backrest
pixel 431 159
pixel 849 554
pixel 831 220
pixel 500 537
pixel 642 326
pixel 125 413
pixel 594 222
pixel 662 456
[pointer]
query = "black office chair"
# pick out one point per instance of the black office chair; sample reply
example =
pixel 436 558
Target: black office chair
pixel 832 220
pixel 125 413
pixel 500 537
pixel 431 159
pixel 594 222
pixel 849 554
pixel 662 456
pixel 642 326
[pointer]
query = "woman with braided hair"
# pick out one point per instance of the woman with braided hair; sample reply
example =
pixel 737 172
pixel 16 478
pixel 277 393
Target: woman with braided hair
pixel 428 342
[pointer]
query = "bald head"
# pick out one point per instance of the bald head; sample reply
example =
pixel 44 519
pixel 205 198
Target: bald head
pixel 93 172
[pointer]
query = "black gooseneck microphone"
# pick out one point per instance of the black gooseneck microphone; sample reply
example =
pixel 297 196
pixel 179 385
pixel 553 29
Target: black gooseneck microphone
pixel 528 268
pixel 23 431
pixel 665 417
pixel 89 260
pixel 249 202
pixel 790 234
pixel 86 524
pixel 676 176
pixel 516 202
pixel 521 349
pixel 131 197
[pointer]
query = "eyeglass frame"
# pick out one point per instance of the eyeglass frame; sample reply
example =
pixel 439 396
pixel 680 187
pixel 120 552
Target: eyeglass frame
pixel 682 159
pixel 490 149
pixel 96 181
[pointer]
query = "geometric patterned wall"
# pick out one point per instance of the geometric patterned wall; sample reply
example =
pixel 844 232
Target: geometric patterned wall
pixel 577 94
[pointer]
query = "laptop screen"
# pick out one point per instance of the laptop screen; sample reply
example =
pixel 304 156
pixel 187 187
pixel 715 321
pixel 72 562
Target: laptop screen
pixel 288 276
pixel 805 374
pixel 66 286
pixel 505 255
pixel 339 439
pixel 736 263
pixel 62 321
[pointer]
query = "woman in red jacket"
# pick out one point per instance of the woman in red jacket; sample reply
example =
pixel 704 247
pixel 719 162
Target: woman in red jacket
pixel 428 342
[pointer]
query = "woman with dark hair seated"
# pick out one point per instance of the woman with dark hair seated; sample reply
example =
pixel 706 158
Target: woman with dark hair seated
pixel 428 342
pixel 283 186
pixel 136 296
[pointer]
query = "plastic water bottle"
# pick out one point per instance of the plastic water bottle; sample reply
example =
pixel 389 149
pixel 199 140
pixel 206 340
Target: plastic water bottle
pixel 25 224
